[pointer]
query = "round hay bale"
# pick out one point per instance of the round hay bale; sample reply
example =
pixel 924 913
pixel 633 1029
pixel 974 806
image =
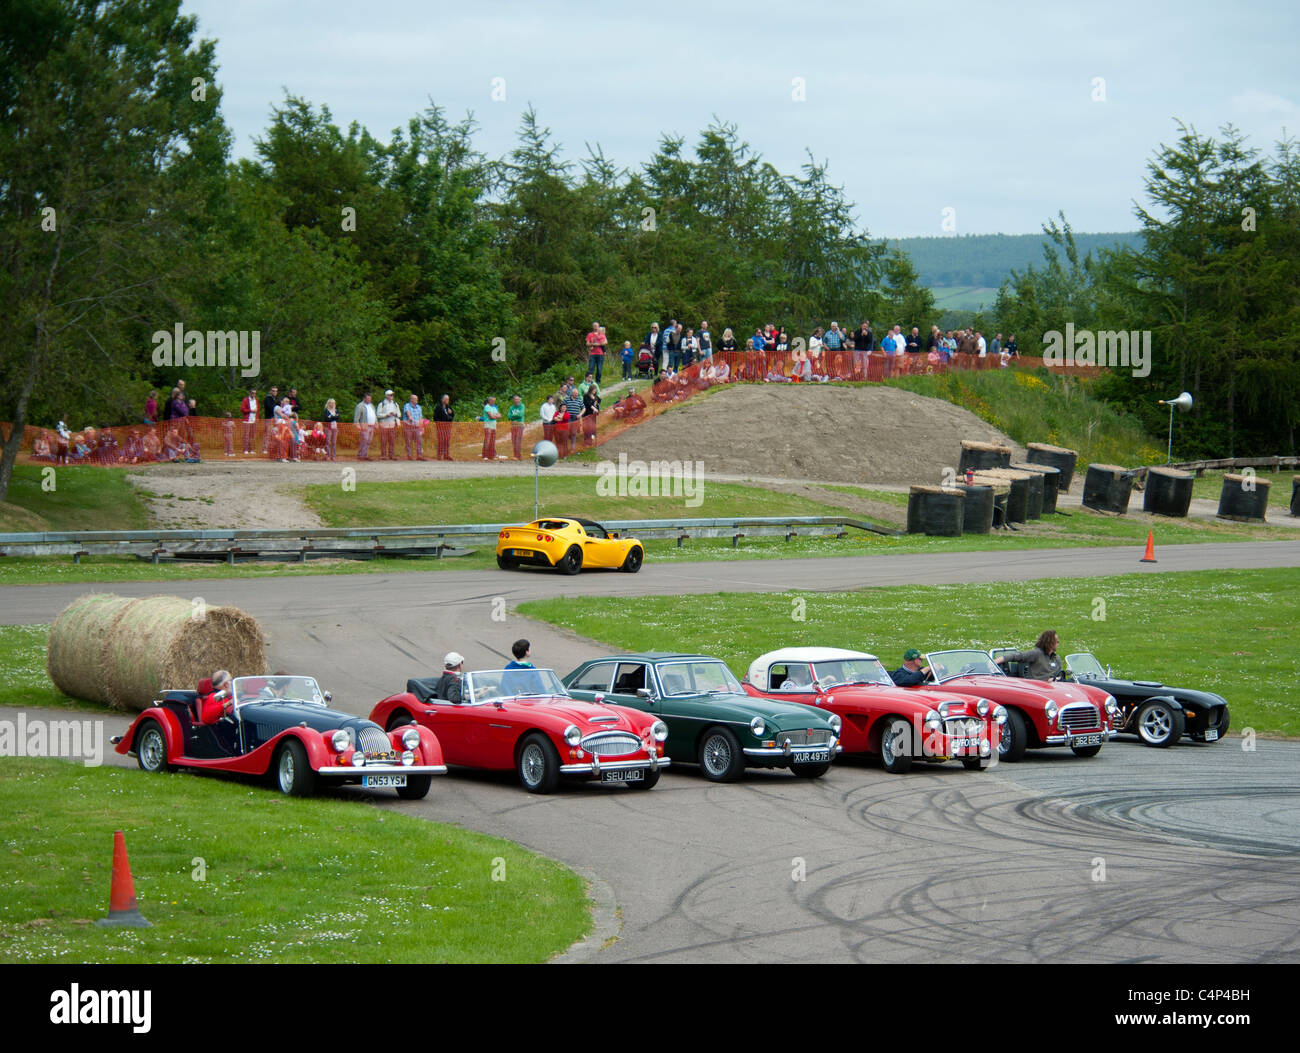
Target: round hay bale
pixel 1295 495
pixel 1058 457
pixel 1244 498
pixel 1107 488
pixel 935 510
pixel 1019 496
pixel 136 648
pixel 76 643
pixel 1051 478
pixel 1168 493
pixel 977 514
pixel 977 455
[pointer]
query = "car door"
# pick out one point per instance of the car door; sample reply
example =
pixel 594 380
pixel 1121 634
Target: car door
pixel 594 680
pixel 597 550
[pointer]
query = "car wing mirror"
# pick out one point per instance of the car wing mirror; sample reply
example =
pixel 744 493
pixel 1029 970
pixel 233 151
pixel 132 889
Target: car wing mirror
pixel 598 697
pixel 329 696
pixel 643 692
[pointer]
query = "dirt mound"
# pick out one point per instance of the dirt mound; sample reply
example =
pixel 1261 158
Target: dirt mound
pixel 812 432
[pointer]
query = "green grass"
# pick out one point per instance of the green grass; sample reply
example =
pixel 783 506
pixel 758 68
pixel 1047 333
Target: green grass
pixel 1210 486
pixel 280 879
pixel 22 670
pixel 83 498
pixel 1040 407
pixel 1229 631
pixel 510 500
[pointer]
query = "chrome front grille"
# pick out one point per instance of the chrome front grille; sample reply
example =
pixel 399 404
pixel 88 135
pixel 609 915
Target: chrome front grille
pixel 611 743
pixel 372 740
pixel 805 737
pixel 963 727
pixel 1079 716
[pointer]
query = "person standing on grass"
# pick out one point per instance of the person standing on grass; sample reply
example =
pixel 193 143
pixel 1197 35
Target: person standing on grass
pixel 548 419
pixel 626 356
pixel 331 428
pixel 490 417
pixel 364 418
pixel 443 418
pixel 388 413
pixel 413 427
pixel 573 410
pixel 515 415
pixel 151 408
pixel 596 342
pixel 248 413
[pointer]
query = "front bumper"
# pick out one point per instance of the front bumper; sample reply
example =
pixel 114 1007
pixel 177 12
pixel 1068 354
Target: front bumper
pixel 1068 738
pixel 345 771
pixel 790 753
pixel 595 766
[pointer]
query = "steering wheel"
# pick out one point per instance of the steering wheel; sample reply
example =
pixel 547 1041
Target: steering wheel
pixel 828 681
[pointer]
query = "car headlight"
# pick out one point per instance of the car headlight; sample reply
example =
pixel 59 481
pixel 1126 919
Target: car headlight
pixel 983 708
pixel 933 721
pixel 999 715
pixel 339 741
pixel 659 731
pixel 410 738
pixel 1112 707
pixel 757 727
pixel 1051 712
pixel 835 722
pixel 572 735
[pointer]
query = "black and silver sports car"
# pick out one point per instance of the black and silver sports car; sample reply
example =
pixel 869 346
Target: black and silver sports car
pixel 1156 713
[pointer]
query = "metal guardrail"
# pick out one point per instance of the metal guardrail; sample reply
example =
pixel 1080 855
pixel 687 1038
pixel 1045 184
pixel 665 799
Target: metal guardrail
pixel 369 542
pixel 1275 462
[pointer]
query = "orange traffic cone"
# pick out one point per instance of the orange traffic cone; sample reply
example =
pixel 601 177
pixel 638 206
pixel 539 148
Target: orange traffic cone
pixel 1150 557
pixel 121 898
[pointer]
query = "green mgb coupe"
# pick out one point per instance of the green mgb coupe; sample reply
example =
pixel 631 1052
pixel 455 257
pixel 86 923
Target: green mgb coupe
pixel 710 718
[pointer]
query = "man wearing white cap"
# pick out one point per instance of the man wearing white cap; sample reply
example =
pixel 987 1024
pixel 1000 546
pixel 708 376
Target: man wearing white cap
pixel 448 686
pixel 388 413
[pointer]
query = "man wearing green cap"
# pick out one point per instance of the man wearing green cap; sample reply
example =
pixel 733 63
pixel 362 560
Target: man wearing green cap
pixel 913 671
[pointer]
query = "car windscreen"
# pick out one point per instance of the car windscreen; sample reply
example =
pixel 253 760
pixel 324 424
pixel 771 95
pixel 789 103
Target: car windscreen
pixel 947 664
pixel 277 689
pixel 491 684
pixel 851 671
pixel 697 678
pixel 1084 664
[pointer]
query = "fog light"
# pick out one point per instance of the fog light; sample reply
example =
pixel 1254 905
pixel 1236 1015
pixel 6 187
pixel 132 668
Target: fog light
pixel 984 748
pixel 358 759
pixel 408 757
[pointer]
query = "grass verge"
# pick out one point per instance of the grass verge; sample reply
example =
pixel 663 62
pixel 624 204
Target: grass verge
pixel 1229 631
pixel 232 873
pixel 71 498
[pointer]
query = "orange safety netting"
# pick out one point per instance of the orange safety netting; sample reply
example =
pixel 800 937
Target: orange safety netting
pixel 214 438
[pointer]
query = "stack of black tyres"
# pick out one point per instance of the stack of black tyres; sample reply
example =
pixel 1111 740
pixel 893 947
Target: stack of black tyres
pixel 936 511
pixel 1025 500
pixel 1244 498
pixel 976 456
pixel 1051 476
pixel 977 517
pixel 1058 457
pixel 1107 488
pixel 1169 492
pixel 1001 491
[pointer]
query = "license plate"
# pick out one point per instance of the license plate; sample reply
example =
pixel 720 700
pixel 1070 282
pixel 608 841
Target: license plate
pixel 1212 735
pixel 966 744
pixel 631 775
pixel 377 781
pixel 814 758
pixel 1086 740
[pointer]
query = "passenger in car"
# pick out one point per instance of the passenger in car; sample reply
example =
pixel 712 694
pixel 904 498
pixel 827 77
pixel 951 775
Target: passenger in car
pixel 216 697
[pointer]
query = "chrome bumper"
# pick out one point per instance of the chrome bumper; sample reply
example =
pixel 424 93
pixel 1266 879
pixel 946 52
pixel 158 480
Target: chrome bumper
pixel 1065 740
pixel 345 771
pixel 792 752
pixel 595 767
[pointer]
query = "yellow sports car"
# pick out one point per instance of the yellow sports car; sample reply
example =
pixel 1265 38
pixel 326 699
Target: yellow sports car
pixel 567 545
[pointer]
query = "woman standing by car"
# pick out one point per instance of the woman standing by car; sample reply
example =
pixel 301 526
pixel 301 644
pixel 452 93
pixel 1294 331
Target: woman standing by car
pixel 1041 660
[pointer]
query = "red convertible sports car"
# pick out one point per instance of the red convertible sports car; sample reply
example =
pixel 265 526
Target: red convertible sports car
pixel 280 725
pixel 878 717
pixel 523 719
pixel 1039 713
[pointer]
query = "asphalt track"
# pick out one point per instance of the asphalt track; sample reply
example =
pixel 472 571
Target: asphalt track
pixel 1180 855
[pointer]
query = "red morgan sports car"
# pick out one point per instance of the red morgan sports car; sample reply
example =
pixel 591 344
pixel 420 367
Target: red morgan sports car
pixel 281 726
pixel 898 724
pixel 524 719
pixel 1039 713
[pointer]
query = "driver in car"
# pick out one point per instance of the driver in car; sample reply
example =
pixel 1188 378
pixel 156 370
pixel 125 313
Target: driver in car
pixel 797 679
pixel 448 687
pixel 216 697
pixel 1041 661
pixel 913 672
pixel 275 688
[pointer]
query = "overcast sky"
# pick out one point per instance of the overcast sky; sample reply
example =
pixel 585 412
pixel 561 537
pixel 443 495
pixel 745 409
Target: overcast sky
pixel 991 110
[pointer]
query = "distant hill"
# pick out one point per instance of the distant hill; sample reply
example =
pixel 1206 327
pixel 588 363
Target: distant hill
pixel 982 261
